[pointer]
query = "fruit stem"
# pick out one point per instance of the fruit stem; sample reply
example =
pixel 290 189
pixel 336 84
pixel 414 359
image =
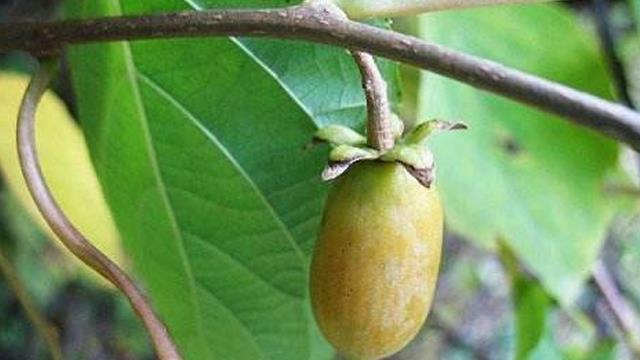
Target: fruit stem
pixel 379 130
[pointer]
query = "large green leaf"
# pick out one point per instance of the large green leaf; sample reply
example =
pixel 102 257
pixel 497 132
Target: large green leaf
pixel 519 174
pixel 200 146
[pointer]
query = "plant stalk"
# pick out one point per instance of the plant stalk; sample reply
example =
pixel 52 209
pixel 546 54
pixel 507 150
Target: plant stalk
pixel 379 134
pixel 67 233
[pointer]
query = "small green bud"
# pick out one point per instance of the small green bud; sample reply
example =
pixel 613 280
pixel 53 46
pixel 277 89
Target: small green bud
pixel 420 133
pixel 347 152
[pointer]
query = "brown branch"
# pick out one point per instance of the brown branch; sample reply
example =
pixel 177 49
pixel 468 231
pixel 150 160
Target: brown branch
pixel 46 331
pixel 68 234
pixel 626 319
pixel 314 22
pixel 379 134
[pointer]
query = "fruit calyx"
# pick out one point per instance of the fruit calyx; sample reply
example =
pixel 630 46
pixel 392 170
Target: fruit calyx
pixel 350 147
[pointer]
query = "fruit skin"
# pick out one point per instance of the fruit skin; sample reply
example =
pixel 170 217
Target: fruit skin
pixel 376 261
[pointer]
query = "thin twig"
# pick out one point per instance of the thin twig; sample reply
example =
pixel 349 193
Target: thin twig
pixel 314 23
pixel 608 44
pixel 625 317
pixel 46 331
pixel 379 134
pixel 68 234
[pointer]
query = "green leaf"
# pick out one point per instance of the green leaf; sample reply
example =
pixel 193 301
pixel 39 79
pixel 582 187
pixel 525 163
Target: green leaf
pixel 531 305
pixel 518 174
pixel 200 146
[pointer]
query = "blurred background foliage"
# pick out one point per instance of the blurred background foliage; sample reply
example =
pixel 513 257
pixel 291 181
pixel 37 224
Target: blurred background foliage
pixel 532 203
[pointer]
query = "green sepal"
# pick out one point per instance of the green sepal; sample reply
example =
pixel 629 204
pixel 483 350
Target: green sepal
pixel 417 159
pixel 417 156
pixel 348 152
pixel 350 147
pixel 420 133
pixel 339 135
pixel 343 157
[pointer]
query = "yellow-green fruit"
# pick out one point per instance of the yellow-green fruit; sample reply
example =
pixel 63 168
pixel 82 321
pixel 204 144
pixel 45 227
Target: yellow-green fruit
pixel 375 264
